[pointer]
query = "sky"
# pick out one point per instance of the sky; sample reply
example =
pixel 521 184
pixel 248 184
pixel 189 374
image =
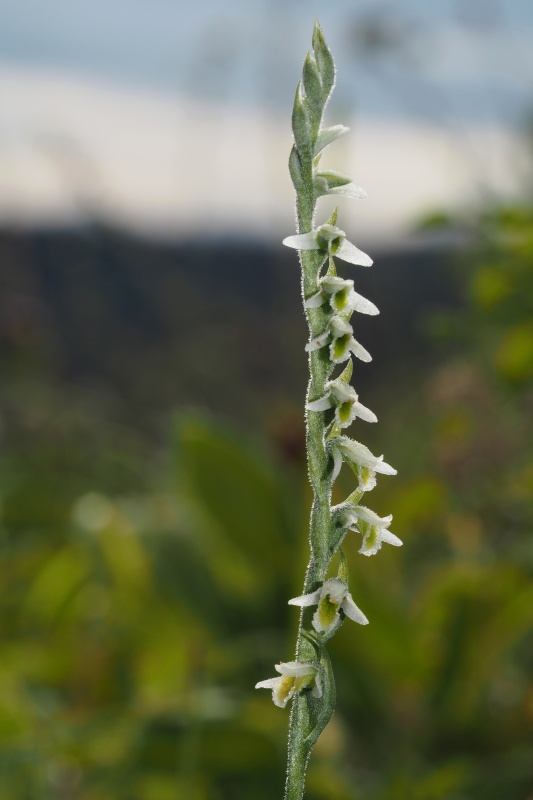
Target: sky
pixel 139 108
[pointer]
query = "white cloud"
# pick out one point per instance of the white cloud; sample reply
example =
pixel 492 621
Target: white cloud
pixel 168 165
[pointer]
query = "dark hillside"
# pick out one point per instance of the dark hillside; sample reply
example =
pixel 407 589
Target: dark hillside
pixel 218 324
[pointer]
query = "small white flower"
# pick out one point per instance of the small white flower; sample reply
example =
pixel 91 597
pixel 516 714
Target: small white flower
pixel 332 597
pixel 339 336
pixel 340 295
pixel 343 342
pixel 344 399
pixel 373 529
pixel 356 455
pixel 294 676
pixel 343 298
pixel 332 240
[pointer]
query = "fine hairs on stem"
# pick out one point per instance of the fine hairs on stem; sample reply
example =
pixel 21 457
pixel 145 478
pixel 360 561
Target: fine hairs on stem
pixel 332 405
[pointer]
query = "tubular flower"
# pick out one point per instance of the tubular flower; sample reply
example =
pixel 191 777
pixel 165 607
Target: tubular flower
pixel 294 676
pixel 356 455
pixel 373 529
pixel 331 598
pixel 329 239
pixel 339 336
pixel 344 399
pixel 341 296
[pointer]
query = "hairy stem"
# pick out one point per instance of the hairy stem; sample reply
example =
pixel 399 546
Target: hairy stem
pixel 320 368
pixel 332 405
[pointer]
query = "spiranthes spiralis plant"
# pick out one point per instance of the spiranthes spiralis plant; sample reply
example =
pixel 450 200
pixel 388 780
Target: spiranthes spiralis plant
pixel 332 405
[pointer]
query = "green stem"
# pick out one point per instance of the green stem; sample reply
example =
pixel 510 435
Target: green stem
pixel 320 368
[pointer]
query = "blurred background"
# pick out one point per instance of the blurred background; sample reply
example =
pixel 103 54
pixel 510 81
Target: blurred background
pixel 153 494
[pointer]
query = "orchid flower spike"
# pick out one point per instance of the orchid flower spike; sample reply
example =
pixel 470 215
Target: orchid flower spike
pixel 332 240
pixel 356 455
pixel 341 296
pixel 294 676
pixel 374 529
pixel 344 399
pixel 330 598
pixel 329 301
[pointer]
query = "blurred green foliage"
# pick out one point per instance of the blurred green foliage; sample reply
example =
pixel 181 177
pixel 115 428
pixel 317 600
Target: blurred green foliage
pixel 144 591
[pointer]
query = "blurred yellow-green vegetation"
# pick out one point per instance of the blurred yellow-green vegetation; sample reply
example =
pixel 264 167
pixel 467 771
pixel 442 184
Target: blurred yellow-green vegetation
pixel 146 567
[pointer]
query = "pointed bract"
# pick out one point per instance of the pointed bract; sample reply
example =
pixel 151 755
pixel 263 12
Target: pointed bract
pixel 301 124
pixel 325 62
pixel 328 135
pixel 314 93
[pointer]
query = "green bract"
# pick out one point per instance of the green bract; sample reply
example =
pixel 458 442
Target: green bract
pixel 332 405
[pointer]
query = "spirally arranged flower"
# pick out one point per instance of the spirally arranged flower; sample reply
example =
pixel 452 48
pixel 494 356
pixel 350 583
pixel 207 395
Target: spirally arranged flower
pixel 341 296
pixel 356 455
pixel 344 399
pixel 339 336
pixel 293 678
pixel 330 598
pixel 332 240
pixel 374 529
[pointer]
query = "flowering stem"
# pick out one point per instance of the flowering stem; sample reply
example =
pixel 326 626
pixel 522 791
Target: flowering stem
pixel 320 368
pixel 332 405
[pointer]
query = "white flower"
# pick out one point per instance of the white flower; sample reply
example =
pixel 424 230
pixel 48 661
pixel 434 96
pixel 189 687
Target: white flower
pixel 332 240
pixel 332 597
pixel 294 676
pixel 344 399
pixel 341 296
pixel 373 529
pixel 356 455
pixel 339 336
